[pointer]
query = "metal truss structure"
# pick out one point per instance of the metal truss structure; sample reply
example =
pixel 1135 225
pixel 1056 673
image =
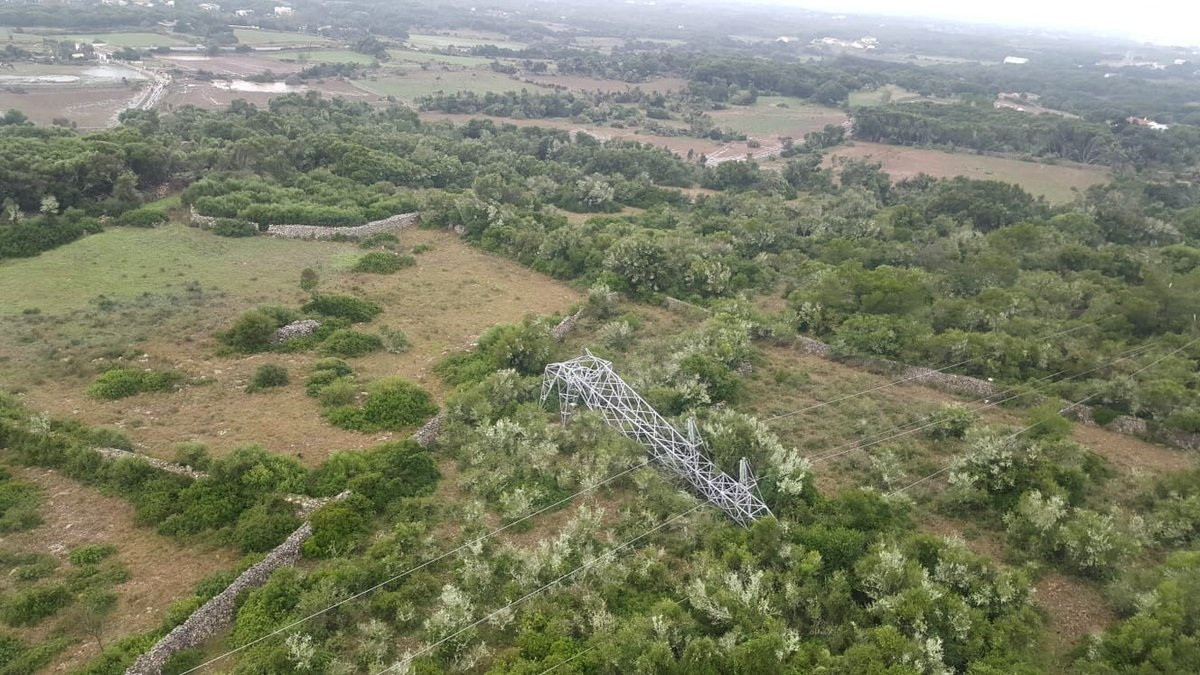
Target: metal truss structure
pixel 593 380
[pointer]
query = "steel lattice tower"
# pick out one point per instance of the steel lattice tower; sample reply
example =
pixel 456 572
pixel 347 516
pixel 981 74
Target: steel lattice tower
pixel 593 380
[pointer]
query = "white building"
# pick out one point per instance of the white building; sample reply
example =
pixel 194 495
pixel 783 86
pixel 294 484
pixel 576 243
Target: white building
pixel 284 10
pixel 1017 60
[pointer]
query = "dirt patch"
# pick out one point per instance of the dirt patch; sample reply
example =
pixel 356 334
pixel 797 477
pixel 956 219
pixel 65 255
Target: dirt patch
pixel 88 107
pixel 1057 182
pixel 1133 454
pixel 229 64
pixel 1074 608
pixel 209 95
pixel 161 569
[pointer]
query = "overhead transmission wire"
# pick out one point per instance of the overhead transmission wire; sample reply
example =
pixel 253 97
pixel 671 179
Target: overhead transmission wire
pixel 608 554
pixel 1027 427
pixel 861 444
pixel 920 376
pixel 501 529
pixel 568 498
pixel 567 660
pixel 414 568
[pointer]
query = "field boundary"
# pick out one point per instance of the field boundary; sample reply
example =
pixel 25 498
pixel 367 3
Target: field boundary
pixel 400 221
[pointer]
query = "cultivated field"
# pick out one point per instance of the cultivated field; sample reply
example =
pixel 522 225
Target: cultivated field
pixel 88 107
pixel 407 56
pixel 580 83
pixel 158 296
pixel 774 116
pixel 1056 182
pixel 236 65
pixel 415 84
pixel 256 37
pixel 462 39
pixel 310 56
pixel 886 94
pixel 135 40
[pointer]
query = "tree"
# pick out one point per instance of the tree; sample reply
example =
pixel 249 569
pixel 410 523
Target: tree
pixel 832 93
pixel 49 205
pixel 309 280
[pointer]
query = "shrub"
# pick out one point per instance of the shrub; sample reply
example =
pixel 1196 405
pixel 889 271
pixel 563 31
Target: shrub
pixel 18 504
pixel 422 248
pixel 32 605
pixel 267 376
pixel 262 527
pixel 338 527
pixel 383 262
pixel 146 216
pixel 1185 419
pixel 394 341
pixel 122 382
pixel 379 240
pixel 232 227
pixel 340 392
pixel 91 554
pixel 254 331
pixel 336 365
pixel 392 404
pixel 343 306
pixel 192 454
pixel 951 421
pixel 349 343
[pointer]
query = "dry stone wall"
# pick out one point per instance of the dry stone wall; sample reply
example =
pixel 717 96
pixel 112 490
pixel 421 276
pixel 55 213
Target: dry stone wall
pixel 392 224
pixel 214 615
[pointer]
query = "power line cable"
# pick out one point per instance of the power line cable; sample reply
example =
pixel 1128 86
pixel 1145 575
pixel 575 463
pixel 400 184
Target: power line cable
pixel 412 569
pixel 1029 426
pixel 611 552
pixel 909 378
pixel 988 403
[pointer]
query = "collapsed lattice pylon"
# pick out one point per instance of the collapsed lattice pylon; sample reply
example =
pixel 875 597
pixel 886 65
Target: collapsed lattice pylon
pixel 593 380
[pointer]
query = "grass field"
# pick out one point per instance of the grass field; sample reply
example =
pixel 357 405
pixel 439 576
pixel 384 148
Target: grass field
pixel 21 39
pixel 774 116
pixel 135 40
pixel 406 56
pixel 322 56
pixel 462 40
pixel 423 83
pixel 167 291
pixel 270 38
pixel 1056 182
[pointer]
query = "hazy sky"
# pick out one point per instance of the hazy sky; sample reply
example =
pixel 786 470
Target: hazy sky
pixel 1165 21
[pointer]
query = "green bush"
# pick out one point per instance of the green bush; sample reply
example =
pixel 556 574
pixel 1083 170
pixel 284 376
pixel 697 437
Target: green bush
pixel 232 227
pixel 338 366
pixel 263 527
pixel 254 331
pixel 18 504
pixel 343 306
pixel 340 392
pixel 379 240
pixel 1185 419
pixel 147 216
pixel 338 528
pixel 349 343
pixel 395 341
pixel 30 606
pixel 91 554
pixel 392 404
pixel 267 376
pixel 383 262
pixel 122 382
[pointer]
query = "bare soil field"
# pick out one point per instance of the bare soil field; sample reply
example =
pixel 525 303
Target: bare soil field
pixel 443 304
pixel 1056 182
pixel 161 569
pixel 233 65
pixel 219 94
pixel 88 107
